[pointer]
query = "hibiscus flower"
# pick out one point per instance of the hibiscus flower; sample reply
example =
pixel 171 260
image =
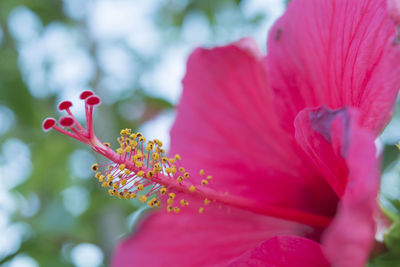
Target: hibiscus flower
pixel 288 139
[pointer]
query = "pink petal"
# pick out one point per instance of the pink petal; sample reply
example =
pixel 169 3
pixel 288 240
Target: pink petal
pixel 345 152
pixel 227 125
pixel 336 53
pixel 213 238
pixel 394 10
pixel 284 251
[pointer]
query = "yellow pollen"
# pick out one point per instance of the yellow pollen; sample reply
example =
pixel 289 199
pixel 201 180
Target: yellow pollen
pixel 133 195
pixel 97 175
pixel 192 188
pixel 171 195
pixel 170 201
pixel 207 201
pixel 140 174
pixel 127 172
pixel 209 177
pixel 102 178
pixel 201 172
pixel 164 160
pixel 107 144
pixel 115 185
pixel 95 167
pixel 142 139
pixel 152 202
pixel 139 164
pixel 104 184
pixel 201 210
pixel 133 136
pixel 184 203
pixel 120 151
pixel 169 208
pixel 158 142
pixel 140 187
pixel 122 167
pixel 204 182
pixel 121 195
pixel 181 169
pixel 177 157
pixel 123 182
pixel 128 149
pixel 177 210
pixel 186 175
pixel 163 191
pixel 149 174
pixel 172 161
pixel 143 199
pixel 110 168
pixel 110 192
pixel 179 179
pixel 156 156
pixel 125 131
pixel 149 147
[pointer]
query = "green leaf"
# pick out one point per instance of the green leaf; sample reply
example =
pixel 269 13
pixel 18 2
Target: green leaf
pixel 392 238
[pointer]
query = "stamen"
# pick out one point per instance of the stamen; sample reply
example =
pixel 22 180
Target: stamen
pixel 142 170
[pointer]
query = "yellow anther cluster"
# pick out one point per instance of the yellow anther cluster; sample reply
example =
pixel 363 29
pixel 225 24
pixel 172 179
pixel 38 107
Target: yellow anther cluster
pixel 146 173
pixel 154 202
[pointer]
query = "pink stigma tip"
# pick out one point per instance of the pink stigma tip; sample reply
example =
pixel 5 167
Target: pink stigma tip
pixel 64 105
pixel 48 123
pixel 93 100
pixel 85 94
pixel 67 121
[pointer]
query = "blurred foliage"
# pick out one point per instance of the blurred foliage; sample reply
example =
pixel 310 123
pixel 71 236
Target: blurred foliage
pixel 53 231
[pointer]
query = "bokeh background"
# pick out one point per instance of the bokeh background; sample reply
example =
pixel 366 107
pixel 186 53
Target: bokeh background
pixel 132 53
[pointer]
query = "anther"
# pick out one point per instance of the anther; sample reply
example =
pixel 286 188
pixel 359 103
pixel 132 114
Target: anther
pixel 95 167
pixel 204 182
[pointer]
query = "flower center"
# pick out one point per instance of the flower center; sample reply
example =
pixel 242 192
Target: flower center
pixel 141 170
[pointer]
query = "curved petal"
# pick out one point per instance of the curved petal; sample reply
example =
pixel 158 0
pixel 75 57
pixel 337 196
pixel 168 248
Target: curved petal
pixel 227 125
pixel 346 154
pixel 335 53
pixel 213 238
pixel 284 251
